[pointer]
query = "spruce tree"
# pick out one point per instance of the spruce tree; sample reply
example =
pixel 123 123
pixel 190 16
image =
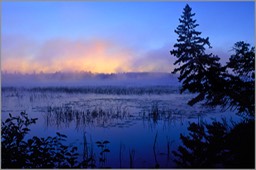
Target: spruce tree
pixel 194 63
pixel 241 82
pixel 242 62
pixel 201 73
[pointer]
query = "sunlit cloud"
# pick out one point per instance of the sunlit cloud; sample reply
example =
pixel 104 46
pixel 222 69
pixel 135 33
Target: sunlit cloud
pixel 97 56
pixel 20 54
pixel 157 60
pixel 66 55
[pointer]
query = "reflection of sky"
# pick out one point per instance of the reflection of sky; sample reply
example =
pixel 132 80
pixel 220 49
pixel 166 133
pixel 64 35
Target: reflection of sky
pixel 138 134
pixel 112 36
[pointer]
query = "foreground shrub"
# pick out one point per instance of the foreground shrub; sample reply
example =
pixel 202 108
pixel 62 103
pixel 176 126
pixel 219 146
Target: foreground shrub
pixel 50 152
pixel 217 146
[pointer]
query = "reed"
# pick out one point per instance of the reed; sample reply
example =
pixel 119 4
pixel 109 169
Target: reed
pixel 131 156
pixel 154 150
pixel 121 150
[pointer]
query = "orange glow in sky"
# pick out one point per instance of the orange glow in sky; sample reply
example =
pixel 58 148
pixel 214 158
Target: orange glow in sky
pixel 97 56
pixel 61 55
pixel 112 37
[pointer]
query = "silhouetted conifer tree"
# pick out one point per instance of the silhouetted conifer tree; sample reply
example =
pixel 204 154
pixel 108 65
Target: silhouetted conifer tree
pixel 201 73
pixel 231 86
pixel 195 63
pixel 241 84
pixel 242 62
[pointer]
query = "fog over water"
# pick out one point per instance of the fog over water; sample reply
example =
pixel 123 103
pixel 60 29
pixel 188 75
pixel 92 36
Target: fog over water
pixel 141 113
pixel 70 79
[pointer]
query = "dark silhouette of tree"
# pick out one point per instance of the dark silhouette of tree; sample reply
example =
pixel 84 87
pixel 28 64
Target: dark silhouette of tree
pixel 242 62
pixel 241 88
pixel 216 146
pixel 231 86
pixel 201 73
pixel 50 152
pixel 203 146
pixel 241 144
pixel 195 63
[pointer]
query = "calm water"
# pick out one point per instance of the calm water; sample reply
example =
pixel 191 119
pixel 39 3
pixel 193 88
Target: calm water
pixel 142 125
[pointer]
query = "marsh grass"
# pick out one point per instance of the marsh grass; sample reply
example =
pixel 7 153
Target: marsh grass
pixel 65 116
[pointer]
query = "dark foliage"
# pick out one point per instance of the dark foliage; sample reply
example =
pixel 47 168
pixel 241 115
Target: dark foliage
pixel 50 152
pixel 190 52
pixel 241 143
pixel 241 84
pixel 103 152
pixel 242 62
pixel 230 86
pixel 215 146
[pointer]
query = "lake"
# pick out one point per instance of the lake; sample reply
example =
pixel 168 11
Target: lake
pixel 142 124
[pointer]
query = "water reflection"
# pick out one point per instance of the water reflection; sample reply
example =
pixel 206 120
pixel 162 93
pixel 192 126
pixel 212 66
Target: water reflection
pixel 65 116
pixel 120 118
pixel 157 126
pixel 143 130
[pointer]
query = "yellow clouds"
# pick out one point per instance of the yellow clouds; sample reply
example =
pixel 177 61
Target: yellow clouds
pixel 98 56
pixel 67 55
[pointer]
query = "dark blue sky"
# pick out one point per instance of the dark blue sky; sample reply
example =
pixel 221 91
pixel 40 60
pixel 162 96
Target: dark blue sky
pixel 129 36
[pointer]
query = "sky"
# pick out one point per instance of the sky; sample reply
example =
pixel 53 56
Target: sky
pixel 112 37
